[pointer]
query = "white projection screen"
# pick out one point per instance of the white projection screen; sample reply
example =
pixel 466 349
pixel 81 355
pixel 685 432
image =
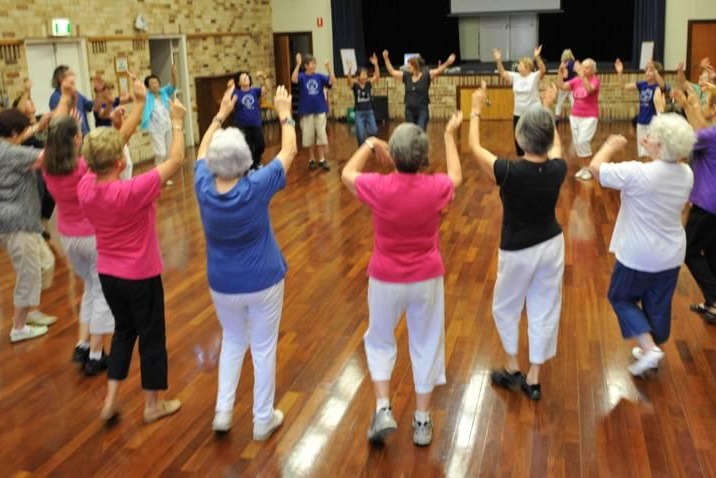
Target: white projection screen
pixel 474 7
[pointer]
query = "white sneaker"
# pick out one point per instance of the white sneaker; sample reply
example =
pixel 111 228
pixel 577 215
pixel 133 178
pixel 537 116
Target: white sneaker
pixel 637 353
pixel 422 432
pixel 222 421
pixel 36 317
pixel 382 425
pixel 262 431
pixel 584 174
pixel 649 360
pixel 169 182
pixel 26 333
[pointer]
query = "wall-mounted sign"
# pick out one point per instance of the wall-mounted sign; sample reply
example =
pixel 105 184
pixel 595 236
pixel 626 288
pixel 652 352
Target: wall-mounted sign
pixel 61 27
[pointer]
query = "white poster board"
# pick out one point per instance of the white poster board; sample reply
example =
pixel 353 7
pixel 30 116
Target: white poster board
pixel 348 55
pixel 647 53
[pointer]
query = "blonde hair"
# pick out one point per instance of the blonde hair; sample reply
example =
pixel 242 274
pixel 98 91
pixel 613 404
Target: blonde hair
pixel 102 148
pixel 567 55
pixel 529 64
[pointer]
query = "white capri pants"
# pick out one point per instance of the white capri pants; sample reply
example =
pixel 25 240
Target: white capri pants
pixel 583 130
pixel 82 253
pixel 161 142
pixel 533 275
pixel 250 319
pixel 424 306
pixel 34 266
pixel 313 130
pixel 641 131
pixel 129 166
pixel 561 96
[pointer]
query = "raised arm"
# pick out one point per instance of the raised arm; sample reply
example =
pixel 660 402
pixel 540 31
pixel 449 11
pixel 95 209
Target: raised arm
pixel 435 72
pixel 485 159
pixel 282 104
pixel 541 67
pixel 548 99
pixel 619 68
pixel 452 157
pixel 398 75
pixel 356 163
pixel 610 147
pixel 225 108
pixel 294 74
pixel 265 85
pixel 561 73
pixel 174 75
pixel 331 73
pixel 692 107
pixel 681 77
pixel 376 68
pixel 349 74
pixel 176 151
pixel 135 117
pixel 657 76
pixel 497 55
pixel 579 69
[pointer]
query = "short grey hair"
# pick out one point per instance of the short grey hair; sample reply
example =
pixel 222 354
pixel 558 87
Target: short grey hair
pixel 229 156
pixel 408 146
pixel 674 134
pixel 535 130
pixel 589 61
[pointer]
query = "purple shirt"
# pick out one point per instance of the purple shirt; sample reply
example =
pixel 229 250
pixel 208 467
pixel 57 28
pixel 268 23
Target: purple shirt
pixel 704 165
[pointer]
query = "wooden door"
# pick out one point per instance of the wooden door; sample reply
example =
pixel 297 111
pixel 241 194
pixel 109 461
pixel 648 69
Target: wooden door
pixel 282 58
pixel 701 44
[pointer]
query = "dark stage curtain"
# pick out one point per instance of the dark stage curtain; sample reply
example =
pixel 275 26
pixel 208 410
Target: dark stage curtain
pixel 407 26
pixel 599 29
pixel 347 17
pixel 649 25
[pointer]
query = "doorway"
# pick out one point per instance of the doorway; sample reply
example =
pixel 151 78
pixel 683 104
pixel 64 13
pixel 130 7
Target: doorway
pixel 44 56
pixel 165 51
pixel 701 44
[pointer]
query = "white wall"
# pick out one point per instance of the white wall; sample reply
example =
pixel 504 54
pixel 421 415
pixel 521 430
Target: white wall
pixel 678 13
pixel 300 16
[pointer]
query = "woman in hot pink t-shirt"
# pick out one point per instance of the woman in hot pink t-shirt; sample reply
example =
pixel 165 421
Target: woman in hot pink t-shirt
pixel 584 117
pixel 406 268
pixel 129 262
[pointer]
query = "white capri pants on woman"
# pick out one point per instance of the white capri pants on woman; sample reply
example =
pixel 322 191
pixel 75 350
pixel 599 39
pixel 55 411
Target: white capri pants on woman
pixel 424 305
pixel 561 96
pixel 583 130
pixel 250 319
pixel 82 253
pixel 34 266
pixel 533 275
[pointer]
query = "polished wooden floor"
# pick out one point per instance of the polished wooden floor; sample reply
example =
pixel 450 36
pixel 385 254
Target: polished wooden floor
pixel 594 419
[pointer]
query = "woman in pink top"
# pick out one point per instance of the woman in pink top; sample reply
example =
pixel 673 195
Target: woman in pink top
pixel 129 263
pixel 406 268
pixel 585 110
pixel 63 168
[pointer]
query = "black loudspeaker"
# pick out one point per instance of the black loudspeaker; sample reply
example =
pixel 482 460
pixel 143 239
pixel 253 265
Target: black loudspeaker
pixel 380 108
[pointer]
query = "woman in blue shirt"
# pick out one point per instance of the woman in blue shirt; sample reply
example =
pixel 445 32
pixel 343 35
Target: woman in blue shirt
pixel 247 113
pixel 244 263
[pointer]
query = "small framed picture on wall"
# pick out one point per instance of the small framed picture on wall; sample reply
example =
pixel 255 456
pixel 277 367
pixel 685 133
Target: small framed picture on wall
pixel 121 64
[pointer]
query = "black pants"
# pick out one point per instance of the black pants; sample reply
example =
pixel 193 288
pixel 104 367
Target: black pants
pixel 701 250
pixel 255 139
pixel 519 150
pixel 47 202
pixel 138 309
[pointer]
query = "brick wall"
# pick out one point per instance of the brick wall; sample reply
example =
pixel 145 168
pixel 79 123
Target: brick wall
pixel 222 36
pixel 615 103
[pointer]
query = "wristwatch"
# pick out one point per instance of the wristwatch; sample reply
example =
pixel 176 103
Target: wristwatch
pixel 289 121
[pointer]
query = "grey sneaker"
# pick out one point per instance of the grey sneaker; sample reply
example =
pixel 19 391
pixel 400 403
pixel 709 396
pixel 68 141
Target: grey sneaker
pixel 28 332
pixel 222 421
pixel 312 164
pixel 323 164
pixel 262 431
pixel 382 425
pixel 422 432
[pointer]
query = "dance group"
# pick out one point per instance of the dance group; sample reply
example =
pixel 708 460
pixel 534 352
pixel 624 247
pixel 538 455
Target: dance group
pixel 106 221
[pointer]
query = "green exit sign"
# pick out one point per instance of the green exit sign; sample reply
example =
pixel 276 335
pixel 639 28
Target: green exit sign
pixel 61 27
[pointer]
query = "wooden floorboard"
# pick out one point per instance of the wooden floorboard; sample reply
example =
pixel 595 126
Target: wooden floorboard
pixel 593 421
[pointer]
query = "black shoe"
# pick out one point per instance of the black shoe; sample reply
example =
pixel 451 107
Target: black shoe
pixel 93 367
pixel 324 165
pixel 46 235
pixel 80 354
pixel 505 379
pixel 312 164
pixel 709 317
pixel 532 391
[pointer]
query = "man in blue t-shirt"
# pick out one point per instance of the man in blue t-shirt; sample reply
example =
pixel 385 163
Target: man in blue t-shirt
pixel 312 107
pixel 653 79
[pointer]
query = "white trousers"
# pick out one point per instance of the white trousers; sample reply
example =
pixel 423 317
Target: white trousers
pixel 532 275
pixel 34 266
pixel 583 130
pixel 561 96
pixel 424 306
pixel 250 319
pixel 161 142
pixel 82 253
